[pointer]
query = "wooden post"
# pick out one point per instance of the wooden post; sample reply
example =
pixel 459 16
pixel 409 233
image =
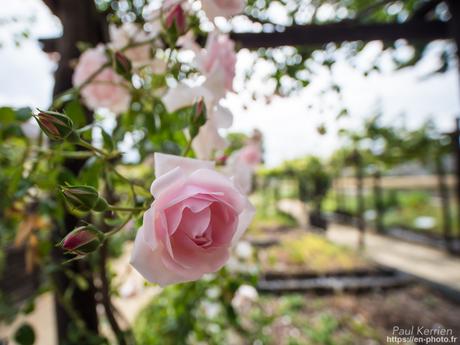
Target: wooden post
pixel 454 8
pixel 445 205
pixel 81 23
pixel 357 159
pixel 378 200
pixel 456 146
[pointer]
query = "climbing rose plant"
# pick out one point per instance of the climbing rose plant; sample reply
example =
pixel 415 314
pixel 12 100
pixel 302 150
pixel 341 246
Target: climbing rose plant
pixel 195 212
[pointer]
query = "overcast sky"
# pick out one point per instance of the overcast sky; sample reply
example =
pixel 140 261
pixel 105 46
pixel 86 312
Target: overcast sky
pixel 289 124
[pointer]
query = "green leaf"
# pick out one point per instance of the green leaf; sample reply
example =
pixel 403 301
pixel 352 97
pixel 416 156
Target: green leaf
pixel 91 172
pixel 25 335
pixel 108 141
pixel 7 116
pixel 75 111
pixel 23 114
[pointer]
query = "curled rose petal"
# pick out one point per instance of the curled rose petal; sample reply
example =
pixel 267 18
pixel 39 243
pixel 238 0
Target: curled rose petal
pixel 197 215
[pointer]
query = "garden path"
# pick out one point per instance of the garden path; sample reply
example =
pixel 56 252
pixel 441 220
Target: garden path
pixel 430 264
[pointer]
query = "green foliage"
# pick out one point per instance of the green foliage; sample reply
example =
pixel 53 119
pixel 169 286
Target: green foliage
pixel 25 335
pixel 311 174
pixel 295 67
pixel 236 141
pixel 193 312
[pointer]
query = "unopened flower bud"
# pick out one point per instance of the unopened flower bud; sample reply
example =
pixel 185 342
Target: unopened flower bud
pixel 83 240
pixel 176 17
pixel 122 64
pixel 56 126
pixel 198 117
pixel 221 160
pixel 83 198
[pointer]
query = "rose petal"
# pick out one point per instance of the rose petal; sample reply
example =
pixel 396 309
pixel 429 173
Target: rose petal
pixel 174 213
pixel 245 219
pixel 210 180
pixel 184 96
pixel 223 117
pixel 165 163
pixel 195 224
pixel 148 263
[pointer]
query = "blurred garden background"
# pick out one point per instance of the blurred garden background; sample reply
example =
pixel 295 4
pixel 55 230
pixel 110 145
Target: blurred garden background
pixel 357 195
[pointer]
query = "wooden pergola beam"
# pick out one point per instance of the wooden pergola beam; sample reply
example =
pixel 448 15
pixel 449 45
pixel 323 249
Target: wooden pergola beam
pixel 302 35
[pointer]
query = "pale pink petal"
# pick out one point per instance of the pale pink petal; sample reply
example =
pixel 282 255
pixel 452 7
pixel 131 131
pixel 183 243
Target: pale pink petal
pixel 208 140
pixel 174 176
pixel 165 163
pixel 183 96
pixel 245 219
pixel 148 263
pixel 222 116
pixel 212 180
pixel 222 8
pixel 174 213
pixel 202 260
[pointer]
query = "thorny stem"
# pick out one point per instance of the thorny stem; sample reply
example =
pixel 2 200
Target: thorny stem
pixel 121 226
pixel 126 209
pixel 187 148
pixel 92 148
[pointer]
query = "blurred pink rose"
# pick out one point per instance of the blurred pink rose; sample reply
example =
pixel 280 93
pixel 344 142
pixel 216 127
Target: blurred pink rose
pixel 107 89
pixel 129 33
pixel 196 217
pixel 222 8
pixel 208 139
pixel 250 154
pixel 241 165
pixel 218 59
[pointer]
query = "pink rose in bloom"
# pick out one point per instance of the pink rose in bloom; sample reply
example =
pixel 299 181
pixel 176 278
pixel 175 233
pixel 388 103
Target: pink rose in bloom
pixel 107 89
pixel 218 58
pixel 222 8
pixel 197 215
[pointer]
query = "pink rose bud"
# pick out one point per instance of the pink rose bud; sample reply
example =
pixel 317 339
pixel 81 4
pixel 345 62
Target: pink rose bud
pixel 197 216
pixel 221 160
pixel 122 64
pixel 83 198
pixel 176 16
pixel 82 240
pixel 56 126
pixel 199 109
pixel 198 117
pixel 108 89
pixel 251 154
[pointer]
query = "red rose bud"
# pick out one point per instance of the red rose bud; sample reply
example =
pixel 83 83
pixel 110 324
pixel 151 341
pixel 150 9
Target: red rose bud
pixel 199 108
pixel 122 64
pixel 82 240
pixel 176 16
pixel 83 198
pixel 56 126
